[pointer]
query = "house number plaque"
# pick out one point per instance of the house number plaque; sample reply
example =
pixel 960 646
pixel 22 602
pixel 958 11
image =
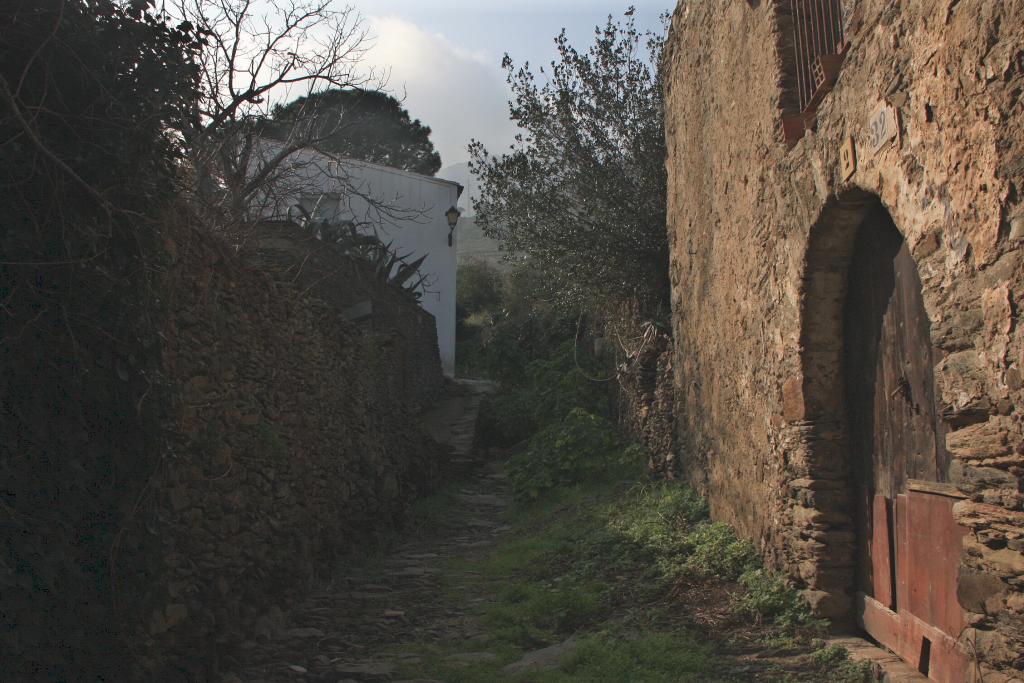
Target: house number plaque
pixel 881 127
pixel 847 159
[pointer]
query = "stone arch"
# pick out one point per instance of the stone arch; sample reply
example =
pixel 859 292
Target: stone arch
pixel 819 463
pixel 830 250
pixel 873 424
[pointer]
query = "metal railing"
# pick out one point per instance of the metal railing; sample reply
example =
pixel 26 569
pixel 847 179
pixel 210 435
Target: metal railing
pixel 818 50
pixel 818 43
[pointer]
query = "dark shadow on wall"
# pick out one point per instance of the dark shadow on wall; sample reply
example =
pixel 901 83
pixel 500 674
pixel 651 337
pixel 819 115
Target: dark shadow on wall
pixel 871 286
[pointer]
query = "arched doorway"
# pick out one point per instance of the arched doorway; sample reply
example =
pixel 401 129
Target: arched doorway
pixel 893 431
pixel 870 369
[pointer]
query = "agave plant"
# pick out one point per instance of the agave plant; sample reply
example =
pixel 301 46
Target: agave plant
pixel 384 260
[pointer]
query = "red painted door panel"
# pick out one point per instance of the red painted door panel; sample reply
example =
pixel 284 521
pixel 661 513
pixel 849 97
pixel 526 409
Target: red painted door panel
pixel 909 545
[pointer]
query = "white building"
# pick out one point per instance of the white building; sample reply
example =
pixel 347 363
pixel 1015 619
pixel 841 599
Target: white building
pixel 403 208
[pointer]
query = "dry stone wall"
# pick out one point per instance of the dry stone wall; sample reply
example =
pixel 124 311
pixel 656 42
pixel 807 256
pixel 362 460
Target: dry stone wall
pixel 760 237
pixel 291 439
pixel 293 257
pixel 645 401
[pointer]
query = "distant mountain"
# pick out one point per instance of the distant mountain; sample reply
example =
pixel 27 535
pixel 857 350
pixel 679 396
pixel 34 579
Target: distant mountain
pixel 474 245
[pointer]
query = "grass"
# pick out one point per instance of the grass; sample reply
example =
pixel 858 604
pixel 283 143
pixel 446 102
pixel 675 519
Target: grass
pixel 652 657
pixel 603 561
pixel 632 570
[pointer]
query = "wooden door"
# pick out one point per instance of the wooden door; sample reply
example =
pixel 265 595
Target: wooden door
pixel 908 544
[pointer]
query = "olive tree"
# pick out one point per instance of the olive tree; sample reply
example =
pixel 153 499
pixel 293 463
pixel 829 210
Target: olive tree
pixel 581 195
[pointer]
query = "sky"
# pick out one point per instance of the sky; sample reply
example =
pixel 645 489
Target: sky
pixel 444 56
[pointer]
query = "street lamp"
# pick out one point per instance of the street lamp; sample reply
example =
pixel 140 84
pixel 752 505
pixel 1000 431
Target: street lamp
pixel 452 215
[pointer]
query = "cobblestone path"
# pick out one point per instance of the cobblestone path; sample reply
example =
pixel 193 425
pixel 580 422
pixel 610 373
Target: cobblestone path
pixel 352 629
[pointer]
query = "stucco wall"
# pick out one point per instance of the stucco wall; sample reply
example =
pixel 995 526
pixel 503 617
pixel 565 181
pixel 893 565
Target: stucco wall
pixel 404 209
pixel 758 275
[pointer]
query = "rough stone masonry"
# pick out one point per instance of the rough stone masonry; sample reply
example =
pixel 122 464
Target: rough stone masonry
pixel 761 234
pixel 292 438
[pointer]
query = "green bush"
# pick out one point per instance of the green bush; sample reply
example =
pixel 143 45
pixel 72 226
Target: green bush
pixel 531 613
pixel 541 394
pixel 478 287
pixel 569 451
pixel 647 657
pixel 657 518
pixel 835 660
pixel 769 598
pixel 715 550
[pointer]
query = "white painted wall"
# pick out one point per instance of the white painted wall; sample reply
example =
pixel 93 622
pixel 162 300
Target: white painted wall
pixel 404 208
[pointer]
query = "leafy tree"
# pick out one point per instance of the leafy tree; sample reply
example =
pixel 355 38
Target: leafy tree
pixel 360 124
pixel 582 195
pixel 478 287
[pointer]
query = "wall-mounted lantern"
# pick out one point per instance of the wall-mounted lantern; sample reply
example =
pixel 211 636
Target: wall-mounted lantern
pixel 452 215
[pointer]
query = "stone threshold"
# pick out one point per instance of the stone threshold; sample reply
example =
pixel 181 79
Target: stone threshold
pixel 889 668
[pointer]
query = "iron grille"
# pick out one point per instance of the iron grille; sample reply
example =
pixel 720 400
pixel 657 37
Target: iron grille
pixel 818 46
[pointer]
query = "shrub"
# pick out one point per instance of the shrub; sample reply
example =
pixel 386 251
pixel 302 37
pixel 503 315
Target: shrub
pixel 768 597
pixel 565 452
pixel 715 550
pixel 657 518
pixel 835 660
pixel 543 393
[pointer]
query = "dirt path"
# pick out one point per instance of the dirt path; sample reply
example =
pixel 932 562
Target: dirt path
pixel 423 604
pixel 353 628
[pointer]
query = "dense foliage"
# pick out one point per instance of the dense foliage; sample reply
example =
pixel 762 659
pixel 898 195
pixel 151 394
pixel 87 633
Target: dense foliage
pixel 582 194
pixel 571 449
pixel 368 125
pixel 505 321
pixel 479 288
pixel 90 94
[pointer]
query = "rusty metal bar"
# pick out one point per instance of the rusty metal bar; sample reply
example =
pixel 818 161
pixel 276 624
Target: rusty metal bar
pixel 797 51
pixel 816 41
pixel 832 25
pixel 805 50
pixel 817 34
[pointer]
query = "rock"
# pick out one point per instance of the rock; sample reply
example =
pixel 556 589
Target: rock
pixel 482 499
pixel 980 515
pixel 1006 561
pixel 827 604
pixel 179 498
pixel 176 613
pixel 545 658
pixel 473 657
pixel 303 633
pixel 366 670
pixel 793 399
pixel 969 479
pixel 980 441
pixel 974 589
pixel 157 623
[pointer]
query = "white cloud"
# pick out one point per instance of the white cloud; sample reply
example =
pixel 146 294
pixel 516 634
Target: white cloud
pixel 459 93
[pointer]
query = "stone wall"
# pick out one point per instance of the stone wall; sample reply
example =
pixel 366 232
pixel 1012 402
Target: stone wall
pixel 291 256
pixel 645 400
pixel 760 236
pixel 292 438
